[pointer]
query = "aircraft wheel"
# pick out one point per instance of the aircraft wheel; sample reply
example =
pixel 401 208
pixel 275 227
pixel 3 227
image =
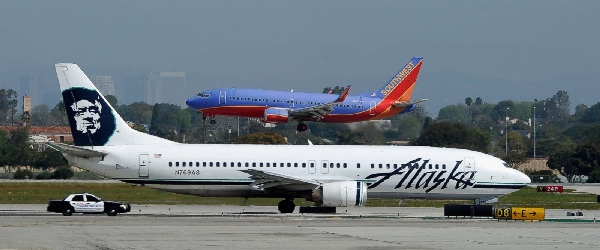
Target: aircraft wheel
pixel 302 127
pixel 213 122
pixel 286 206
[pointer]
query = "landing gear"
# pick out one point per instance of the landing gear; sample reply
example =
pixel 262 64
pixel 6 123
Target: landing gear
pixel 301 127
pixel 286 206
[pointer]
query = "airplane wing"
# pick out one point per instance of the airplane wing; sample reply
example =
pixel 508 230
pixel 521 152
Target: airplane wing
pixel 74 150
pixel 265 179
pixel 317 111
pixel 401 104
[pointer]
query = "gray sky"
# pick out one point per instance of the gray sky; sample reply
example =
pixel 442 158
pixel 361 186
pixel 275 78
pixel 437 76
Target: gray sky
pixel 497 50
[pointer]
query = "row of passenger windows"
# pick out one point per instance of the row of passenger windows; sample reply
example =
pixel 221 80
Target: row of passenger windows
pixel 289 101
pixel 289 165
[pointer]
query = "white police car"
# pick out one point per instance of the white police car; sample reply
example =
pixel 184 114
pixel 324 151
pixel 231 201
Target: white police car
pixel 87 203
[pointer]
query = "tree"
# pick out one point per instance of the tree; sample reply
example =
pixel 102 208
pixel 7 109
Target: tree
pixel 514 159
pixel 260 138
pixel 26 118
pixel 40 116
pixel 592 114
pixel 336 90
pixel 454 113
pixel 478 101
pixel 469 102
pixel 59 115
pixel 560 161
pixel 454 135
pixel 63 172
pixel 112 100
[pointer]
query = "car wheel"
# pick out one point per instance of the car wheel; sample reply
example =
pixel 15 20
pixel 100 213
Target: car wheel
pixel 112 211
pixel 68 211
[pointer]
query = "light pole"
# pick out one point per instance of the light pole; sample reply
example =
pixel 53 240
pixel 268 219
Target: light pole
pixel 534 169
pixel 506 132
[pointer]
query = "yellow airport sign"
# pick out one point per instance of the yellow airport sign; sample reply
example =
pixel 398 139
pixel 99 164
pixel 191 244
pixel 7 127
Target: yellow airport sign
pixel 528 213
pixel 503 213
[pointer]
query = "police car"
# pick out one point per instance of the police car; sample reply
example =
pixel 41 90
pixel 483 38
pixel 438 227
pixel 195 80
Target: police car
pixel 87 203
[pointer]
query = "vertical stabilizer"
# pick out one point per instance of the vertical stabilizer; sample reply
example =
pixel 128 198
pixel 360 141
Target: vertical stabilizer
pixel 401 86
pixel 92 119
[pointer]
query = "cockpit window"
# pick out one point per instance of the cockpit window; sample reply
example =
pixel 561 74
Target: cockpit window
pixel 506 165
pixel 204 95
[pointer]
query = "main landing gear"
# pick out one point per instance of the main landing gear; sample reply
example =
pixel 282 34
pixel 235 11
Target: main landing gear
pixel 286 206
pixel 301 127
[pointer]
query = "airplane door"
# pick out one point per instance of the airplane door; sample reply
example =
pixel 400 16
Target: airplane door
pixel 223 97
pixel 372 108
pixel 291 103
pixel 325 169
pixel 469 164
pixel 144 165
pixel 312 167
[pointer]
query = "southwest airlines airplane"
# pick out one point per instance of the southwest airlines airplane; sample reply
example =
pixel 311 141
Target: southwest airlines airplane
pixel 272 106
pixel 334 176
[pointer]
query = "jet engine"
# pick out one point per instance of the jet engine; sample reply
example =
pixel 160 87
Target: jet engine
pixel 341 194
pixel 276 115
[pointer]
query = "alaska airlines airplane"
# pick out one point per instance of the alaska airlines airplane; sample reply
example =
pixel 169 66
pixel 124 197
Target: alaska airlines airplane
pixel 334 176
pixel 272 106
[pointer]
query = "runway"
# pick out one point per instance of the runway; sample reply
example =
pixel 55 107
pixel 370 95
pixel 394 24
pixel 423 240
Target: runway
pixel 247 227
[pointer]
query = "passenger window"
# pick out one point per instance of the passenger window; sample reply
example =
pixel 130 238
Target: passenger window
pixel 191 164
pixel 337 165
pixel 197 164
pixel 357 165
pixel 170 164
pixel 380 165
pixel 233 164
pixel 437 166
pixel 176 164
pixel 281 165
pixel 345 166
pixel 268 164
pixel 239 164
pixel 91 198
pixel 324 165
pixel 210 164
pixel 260 164
pixel 331 165
pixel 312 165
pixel 224 164
pixel 372 165
pixel 295 164
pixel 387 165
pixel 430 166
pixel 254 164
pixel 443 166
pixel 395 166
pixel 77 198
pixel 183 164
pixel 289 164
pixel 304 164
pixel 247 164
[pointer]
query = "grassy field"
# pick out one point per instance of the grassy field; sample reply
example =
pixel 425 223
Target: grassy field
pixel 41 192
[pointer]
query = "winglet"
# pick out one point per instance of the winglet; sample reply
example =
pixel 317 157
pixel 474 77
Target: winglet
pixel 344 94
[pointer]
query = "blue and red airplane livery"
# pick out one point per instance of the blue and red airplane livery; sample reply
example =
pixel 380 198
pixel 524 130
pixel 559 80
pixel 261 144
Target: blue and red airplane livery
pixel 273 106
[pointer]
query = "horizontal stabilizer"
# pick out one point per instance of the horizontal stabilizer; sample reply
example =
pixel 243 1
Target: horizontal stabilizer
pixel 77 151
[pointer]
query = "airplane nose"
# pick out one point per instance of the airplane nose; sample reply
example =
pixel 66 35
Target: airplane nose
pixel 522 178
pixel 190 102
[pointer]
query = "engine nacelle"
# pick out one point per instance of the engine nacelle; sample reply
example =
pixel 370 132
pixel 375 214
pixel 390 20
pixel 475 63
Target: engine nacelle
pixel 276 115
pixel 341 194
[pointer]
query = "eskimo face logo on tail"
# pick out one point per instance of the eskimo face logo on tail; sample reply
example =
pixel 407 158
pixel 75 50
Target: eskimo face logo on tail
pixel 92 122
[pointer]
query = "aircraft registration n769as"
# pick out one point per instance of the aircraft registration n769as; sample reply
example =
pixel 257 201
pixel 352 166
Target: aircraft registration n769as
pixel 272 106
pixel 328 175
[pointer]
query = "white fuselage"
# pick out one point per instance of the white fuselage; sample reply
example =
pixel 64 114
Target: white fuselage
pixel 391 171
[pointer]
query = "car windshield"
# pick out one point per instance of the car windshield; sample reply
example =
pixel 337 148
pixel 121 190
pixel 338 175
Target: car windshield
pixel 506 165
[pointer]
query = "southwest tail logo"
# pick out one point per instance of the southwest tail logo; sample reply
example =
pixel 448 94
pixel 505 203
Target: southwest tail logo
pixel 400 87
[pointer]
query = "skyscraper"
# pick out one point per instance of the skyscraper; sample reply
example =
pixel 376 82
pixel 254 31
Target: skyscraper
pixel 105 84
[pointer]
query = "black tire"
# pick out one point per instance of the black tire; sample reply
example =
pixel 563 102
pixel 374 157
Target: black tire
pixel 286 206
pixel 112 211
pixel 68 211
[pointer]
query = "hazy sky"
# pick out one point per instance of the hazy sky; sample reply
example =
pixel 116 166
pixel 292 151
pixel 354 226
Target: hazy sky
pixel 520 50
